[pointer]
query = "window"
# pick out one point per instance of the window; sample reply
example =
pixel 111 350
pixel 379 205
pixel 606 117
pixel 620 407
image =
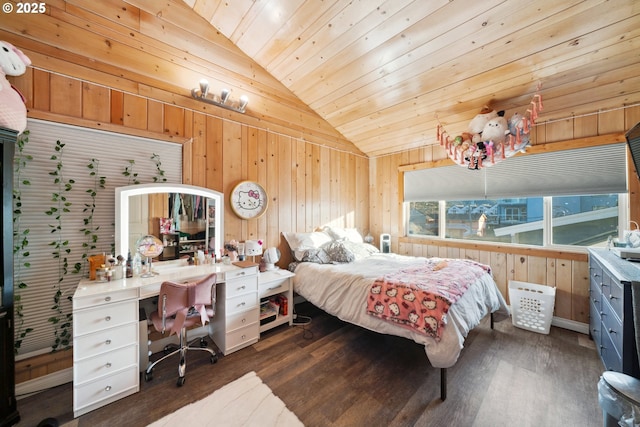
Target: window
pixel 583 220
pixel 541 199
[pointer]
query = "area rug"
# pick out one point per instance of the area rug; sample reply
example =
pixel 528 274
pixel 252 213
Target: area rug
pixel 245 402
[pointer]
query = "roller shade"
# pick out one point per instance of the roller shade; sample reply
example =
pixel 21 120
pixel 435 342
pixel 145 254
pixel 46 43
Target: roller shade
pixel 114 152
pixel 443 183
pixel 590 170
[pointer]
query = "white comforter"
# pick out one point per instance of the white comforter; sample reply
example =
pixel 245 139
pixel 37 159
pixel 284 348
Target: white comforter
pixel 341 290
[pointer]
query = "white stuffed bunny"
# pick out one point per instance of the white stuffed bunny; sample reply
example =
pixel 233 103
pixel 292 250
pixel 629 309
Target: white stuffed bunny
pixel 13 112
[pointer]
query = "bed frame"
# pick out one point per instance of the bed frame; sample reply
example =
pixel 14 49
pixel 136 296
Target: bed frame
pixel 443 375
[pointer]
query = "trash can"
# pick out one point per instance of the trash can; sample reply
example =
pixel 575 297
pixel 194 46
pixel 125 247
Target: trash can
pixel 619 398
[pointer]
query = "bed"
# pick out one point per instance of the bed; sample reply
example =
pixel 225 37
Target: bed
pixel 335 271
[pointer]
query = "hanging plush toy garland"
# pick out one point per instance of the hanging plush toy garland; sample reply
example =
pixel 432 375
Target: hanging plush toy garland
pixel 490 137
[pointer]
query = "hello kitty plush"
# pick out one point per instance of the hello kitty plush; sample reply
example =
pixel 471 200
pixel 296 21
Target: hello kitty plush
pixel 13 112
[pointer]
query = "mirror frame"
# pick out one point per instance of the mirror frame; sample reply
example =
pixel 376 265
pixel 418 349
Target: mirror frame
pixel 122 195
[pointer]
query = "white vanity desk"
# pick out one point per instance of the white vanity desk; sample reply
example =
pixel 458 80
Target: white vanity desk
pixel 106 326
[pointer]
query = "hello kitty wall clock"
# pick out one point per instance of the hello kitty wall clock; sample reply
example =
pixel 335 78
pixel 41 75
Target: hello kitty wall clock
pixel 248 200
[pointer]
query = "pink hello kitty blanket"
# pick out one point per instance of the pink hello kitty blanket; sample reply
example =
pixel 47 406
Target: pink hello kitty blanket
pixel 419 297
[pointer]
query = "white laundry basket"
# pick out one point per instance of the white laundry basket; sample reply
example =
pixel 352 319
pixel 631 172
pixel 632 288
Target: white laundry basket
pixel 531 305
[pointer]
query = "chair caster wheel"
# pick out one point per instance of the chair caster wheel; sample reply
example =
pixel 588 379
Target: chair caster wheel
pixel 214 359
pixel 148 376
pixel 180 382
pixel 203 343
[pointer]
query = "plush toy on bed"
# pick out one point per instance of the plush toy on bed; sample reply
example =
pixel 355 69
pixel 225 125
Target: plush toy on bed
pixel 13 112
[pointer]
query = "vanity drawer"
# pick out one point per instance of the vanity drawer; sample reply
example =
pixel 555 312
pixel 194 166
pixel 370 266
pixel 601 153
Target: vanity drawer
pixel 106 316
pixel 241 303
pixel 241 285
pixel 106 298
pixel 242 337
pixel 243 272
pixel 242 319
pixel 91 344
pixel 105 388
pixel 104 364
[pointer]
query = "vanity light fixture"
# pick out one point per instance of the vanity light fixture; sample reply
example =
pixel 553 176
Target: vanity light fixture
pixel 222 100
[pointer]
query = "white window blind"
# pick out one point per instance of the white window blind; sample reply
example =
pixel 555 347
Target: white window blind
pixel 114 153
pixel 590 170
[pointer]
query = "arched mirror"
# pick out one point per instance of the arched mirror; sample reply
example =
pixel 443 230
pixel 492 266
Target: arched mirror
pixel 185 218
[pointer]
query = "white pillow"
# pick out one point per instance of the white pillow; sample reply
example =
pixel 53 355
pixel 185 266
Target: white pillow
pixel 300 243
pixel 350 234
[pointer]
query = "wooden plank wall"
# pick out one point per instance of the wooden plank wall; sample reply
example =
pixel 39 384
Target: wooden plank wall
pixel 128 76
pixel 309 185
pixel 568 271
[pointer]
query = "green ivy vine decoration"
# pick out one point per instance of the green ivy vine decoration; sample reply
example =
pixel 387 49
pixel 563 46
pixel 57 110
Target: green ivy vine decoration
pixel 20 238
pixel 129 173
pixel 160 174
pixel 90 232
pixel 61 250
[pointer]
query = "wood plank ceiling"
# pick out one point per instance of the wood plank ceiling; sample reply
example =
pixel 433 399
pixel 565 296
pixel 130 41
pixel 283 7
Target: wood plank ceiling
pixel 384 73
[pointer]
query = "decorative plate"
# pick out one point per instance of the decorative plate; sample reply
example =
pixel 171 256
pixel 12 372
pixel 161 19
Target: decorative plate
pixel 248 200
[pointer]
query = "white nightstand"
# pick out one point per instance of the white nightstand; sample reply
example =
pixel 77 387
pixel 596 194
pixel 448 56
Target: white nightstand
pixel 275 285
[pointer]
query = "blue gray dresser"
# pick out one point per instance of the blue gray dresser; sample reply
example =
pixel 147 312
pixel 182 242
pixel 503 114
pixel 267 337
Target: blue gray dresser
pixel 612 324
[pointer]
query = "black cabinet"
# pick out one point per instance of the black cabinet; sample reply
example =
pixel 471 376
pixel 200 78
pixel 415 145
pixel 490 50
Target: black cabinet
pixel 8 405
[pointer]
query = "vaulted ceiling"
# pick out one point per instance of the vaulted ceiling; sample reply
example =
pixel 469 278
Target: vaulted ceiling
pixel 385 73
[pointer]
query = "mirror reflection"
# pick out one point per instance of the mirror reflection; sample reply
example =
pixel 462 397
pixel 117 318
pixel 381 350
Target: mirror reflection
pixel 185 218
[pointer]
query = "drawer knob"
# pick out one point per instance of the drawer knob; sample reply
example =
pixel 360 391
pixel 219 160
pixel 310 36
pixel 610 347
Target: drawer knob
pixel 108 365
pixel 242 273
pixel 108 318
pixel 107 342
pixel 275 287
pixel 107 388
pixel 244 337
pixel 240 288
pixel 241 304
pixel 107 299
pixel 611 331
pixel 244 320
pixel 612 297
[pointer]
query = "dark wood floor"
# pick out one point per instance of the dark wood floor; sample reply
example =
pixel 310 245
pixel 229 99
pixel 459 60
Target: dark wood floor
pixel 335 374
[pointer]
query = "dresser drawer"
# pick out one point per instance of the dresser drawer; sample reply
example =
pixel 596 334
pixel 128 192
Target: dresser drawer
pixel 595 325
pixel 241 285
pixel 106 298
pixel 595 294
pixel 612 325
pixel 610 357
pixel 104 364
pixel 241 303
pixel 243 336
pixel 99 342
pixel 242 319
pixel 103 317
pixel 105 388
pixel 615 296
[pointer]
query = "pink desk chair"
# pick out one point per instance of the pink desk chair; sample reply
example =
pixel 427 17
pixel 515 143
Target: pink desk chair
pixel 181 306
